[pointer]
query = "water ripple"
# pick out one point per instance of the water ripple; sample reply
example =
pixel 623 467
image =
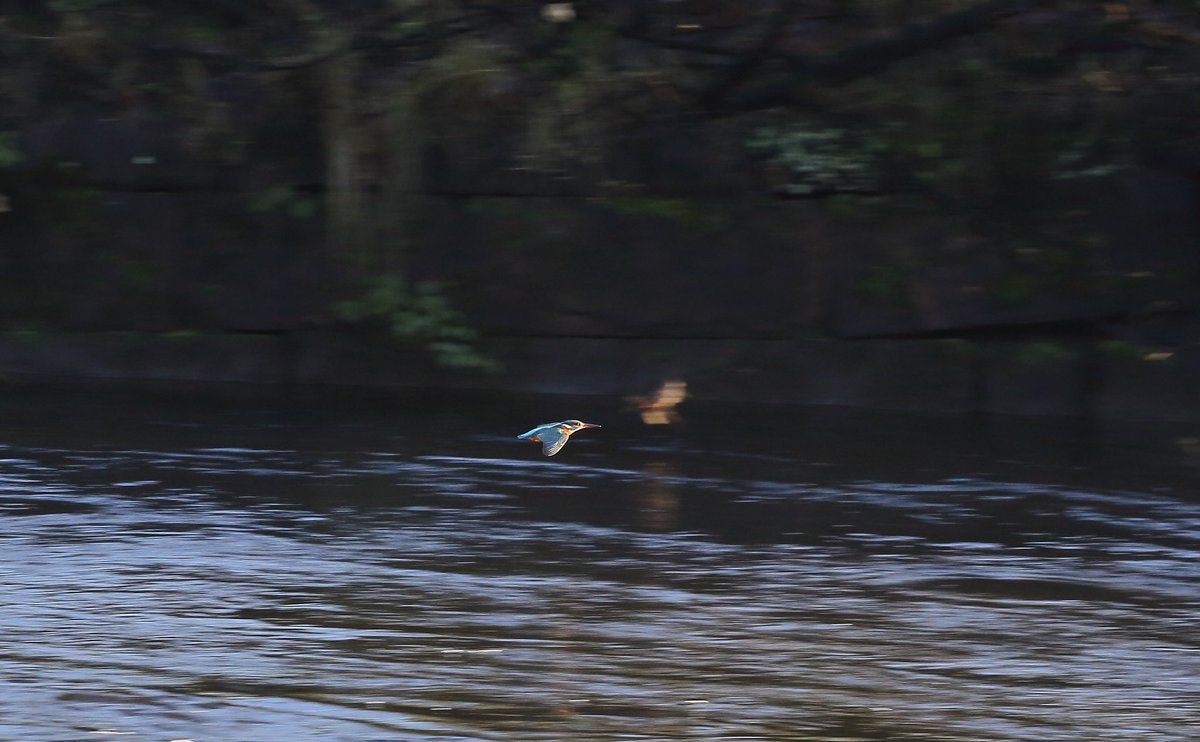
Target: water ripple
pixel 234 588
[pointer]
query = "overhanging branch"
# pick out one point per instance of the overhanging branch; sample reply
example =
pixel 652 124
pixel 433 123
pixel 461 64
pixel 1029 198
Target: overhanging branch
pixel 873 56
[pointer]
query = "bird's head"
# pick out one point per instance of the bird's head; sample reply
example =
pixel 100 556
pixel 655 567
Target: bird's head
pixel 573 425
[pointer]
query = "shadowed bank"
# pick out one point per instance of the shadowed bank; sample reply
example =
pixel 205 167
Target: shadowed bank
pixel 768 199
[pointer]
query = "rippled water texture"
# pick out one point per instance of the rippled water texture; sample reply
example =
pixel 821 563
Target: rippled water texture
pixel 220 567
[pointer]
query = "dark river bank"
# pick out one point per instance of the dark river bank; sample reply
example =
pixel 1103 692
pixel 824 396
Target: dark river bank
pixel 267 565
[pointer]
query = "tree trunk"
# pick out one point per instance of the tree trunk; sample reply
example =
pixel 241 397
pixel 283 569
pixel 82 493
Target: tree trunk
pixel 345 217
pixel 399 205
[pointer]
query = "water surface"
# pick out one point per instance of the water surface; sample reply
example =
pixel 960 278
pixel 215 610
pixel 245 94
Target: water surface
pixel 318 565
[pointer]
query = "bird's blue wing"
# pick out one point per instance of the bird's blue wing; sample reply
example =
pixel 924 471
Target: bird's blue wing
pixel 553 441
pixel 533 434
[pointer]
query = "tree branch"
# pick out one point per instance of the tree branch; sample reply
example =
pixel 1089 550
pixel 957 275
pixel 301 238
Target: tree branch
pixel 868 58
pixel 363 40
pixel 755 57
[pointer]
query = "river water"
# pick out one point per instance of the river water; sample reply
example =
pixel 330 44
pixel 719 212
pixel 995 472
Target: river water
pixel 308 565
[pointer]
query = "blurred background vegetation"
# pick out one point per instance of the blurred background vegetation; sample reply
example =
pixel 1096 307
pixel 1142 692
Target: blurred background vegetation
pixel 447 171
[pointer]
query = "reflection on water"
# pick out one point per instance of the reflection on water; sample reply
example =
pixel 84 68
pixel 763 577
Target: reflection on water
pixel 658 496
pixel 215 568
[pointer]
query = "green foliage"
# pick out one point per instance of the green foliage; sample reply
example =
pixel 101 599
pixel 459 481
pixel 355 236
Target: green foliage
pixel 75 6
pixel 932 134
pixel 417 313
pixel 76 210
pixel 566 126
pixel 181 335
pixel 1038 270
pixel 139 275
pixel 1015 287
pixel 821 159
pixel 25 333
pixel 1044 354
pixel 884 284
pixel 283 197
pixel 958 348
pixel 10 150
pixel 1077 161
pixel 931 162
pixel 682 210
pixel 404 28
pixel 1124 350
pixel 464 77
pixel 846 208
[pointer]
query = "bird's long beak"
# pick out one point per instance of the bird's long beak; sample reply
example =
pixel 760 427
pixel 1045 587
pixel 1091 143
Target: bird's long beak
pixel 591 425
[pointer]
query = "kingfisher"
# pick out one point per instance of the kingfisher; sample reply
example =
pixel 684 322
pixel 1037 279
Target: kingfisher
pixel 553 436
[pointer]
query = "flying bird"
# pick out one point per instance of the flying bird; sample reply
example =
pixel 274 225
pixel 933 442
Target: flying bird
pixel 553 436
pixel 658 407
